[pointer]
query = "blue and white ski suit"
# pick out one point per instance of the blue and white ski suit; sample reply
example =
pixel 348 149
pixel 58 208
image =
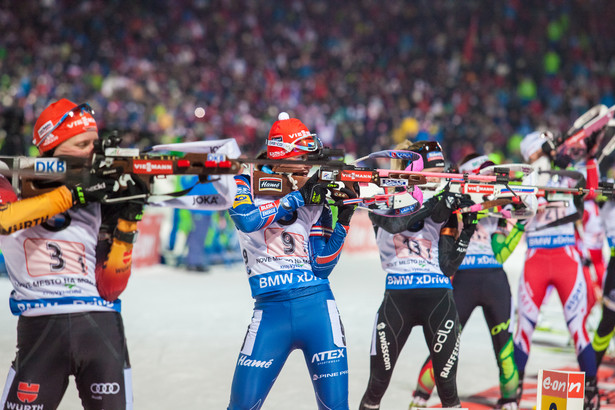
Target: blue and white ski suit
pixel 289 250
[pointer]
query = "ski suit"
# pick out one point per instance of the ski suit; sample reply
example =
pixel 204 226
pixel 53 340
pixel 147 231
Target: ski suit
pixel 480 281
pixel 67 274
pixel 552 259
pixel 289 250
pixel 418 258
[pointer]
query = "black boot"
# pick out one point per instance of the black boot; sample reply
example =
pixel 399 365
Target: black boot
pixel 367 406
pixel 592 398
pixel 507 404
pixel 520 389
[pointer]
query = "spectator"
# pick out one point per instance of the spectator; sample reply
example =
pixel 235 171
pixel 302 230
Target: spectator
pixel 466 73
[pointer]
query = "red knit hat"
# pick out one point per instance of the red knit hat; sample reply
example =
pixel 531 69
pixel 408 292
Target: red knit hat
pixel 289 137
pixel 60 121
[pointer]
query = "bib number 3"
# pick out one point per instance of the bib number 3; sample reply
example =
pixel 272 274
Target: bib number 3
pixel 45 257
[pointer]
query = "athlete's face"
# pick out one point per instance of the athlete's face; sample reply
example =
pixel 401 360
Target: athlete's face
pixel 535 156
pixel 433 169
pixel 81 145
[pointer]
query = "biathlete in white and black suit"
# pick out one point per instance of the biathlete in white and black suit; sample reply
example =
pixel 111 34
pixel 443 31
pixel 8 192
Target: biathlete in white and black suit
pixel 290 248
pixel 481 281
pixel 68 258
pixel 419 253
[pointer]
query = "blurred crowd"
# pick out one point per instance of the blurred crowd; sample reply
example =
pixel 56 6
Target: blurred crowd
pixel 364 74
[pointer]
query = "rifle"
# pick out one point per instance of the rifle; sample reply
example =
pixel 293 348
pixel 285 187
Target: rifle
pixel 368 184
pixel 34 176
pixel 609 147
pixel 590 125
pixel 498 189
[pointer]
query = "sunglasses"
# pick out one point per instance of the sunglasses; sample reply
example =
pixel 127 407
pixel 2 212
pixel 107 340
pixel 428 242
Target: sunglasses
pixel 80 109
pixel 427 146
pixel 311 143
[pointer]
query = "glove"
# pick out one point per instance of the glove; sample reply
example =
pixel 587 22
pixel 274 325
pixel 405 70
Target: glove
pixel 313 191
pixel 562 160
pixel 92 188
pixel 469 220
pixel 345 212
pixel 520 225
pixel 591 143
pixel 442 206
pixel 454 201
pixel 132 210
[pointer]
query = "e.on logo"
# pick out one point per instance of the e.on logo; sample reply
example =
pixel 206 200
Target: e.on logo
pixel 564 385
pixel 560 390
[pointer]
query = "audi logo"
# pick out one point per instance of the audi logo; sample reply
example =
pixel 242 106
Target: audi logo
pixel 105 388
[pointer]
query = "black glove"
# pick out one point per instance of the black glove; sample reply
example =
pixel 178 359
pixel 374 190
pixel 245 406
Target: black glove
pixel 562 160
pixel 313 191
pixel 469 220
pixel 454 200
pixel 591 143
pixel 447 203
pixel 91 188
pixel 132 209
pixel 345 212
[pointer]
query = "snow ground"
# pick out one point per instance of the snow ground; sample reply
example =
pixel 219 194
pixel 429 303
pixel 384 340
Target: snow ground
pixel 185 329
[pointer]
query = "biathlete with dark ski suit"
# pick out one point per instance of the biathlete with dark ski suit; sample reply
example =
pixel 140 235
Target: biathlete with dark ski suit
pixel 480 281
pixel 289 249
pixel 419 253
pixel 606 327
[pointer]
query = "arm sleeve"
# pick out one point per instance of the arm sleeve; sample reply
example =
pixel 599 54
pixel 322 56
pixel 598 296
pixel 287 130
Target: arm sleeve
pixel 504 245
pixel 250 218
pixel 325 245
pixel 30 212
pixel 114 262
pixel 453 251
pixel 592 177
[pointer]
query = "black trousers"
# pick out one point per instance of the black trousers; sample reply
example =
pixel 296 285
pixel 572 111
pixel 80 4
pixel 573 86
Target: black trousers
pixel 400 311
pixel 91 346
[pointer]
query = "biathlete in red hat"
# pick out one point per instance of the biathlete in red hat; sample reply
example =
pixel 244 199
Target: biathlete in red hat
pixel 290 248
pixel 68 258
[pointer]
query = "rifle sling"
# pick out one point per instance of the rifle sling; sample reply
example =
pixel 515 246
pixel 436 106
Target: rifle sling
pixel 567 219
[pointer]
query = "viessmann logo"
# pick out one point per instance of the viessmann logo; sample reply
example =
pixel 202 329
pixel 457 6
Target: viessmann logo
pixel 152 167
pixel 479 189
pixel 270 184
pixel 357 176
